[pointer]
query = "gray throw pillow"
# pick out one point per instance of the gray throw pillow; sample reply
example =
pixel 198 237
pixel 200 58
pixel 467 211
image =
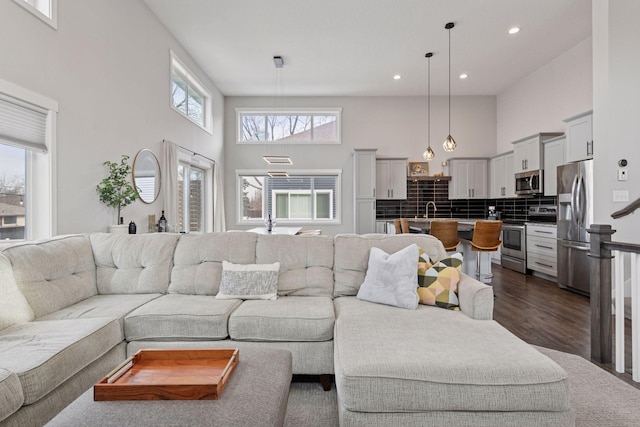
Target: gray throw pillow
pixel 392 279
pixel 249 281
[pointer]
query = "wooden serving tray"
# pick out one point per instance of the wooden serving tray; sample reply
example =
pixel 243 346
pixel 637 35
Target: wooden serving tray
pixel 169 375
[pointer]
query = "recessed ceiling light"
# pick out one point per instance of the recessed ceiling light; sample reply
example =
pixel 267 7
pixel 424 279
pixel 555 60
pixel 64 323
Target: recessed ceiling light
pixel 397 77
pixel 463 76
pixel 513 30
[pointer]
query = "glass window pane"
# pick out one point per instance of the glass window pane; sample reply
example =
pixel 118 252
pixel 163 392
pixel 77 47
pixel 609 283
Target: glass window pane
pixel 178 93
pixel 282 206
pixel 253 128
pixel 300 206
pixel 196 199
pixel 12 192
pixel 323 206
pixel 252 188
pixel 324 128
pixel 295 128
pixel 195 106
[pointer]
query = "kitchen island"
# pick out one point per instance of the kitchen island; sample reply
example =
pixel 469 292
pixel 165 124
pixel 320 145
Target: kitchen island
pixel 465 234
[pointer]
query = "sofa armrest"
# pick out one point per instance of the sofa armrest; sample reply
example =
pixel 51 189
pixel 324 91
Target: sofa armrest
pixel 476 298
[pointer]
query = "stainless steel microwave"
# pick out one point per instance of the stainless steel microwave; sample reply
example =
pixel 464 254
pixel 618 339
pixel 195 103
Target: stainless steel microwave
pixel 529 182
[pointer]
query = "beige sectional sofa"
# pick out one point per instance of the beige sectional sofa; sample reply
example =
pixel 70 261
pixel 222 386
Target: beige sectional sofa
pixel 73 307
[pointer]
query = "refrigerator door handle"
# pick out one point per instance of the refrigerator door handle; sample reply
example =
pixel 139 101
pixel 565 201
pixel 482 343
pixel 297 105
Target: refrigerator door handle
pixel 574 200
pixel 582 199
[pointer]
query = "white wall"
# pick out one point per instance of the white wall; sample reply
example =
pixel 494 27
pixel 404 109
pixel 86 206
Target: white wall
pixel 539 102
pixel 397 126
pixel 107 65
pixel 616 110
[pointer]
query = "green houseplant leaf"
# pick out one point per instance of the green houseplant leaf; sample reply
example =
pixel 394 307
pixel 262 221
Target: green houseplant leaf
pixel 115 190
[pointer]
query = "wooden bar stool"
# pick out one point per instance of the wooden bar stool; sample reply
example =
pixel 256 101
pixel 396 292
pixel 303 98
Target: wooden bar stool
pixel 396 223
pixel 486 238
pixel 446 232
pixel 402 225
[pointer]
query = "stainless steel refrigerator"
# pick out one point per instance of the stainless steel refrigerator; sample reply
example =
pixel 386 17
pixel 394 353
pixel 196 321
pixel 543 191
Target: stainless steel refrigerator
pixel 575 214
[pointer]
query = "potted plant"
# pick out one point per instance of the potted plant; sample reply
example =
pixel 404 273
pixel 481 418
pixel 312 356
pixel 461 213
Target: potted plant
pixel 115 190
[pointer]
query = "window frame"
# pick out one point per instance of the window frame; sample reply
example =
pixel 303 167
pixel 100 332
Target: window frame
pixel 41 176
pixel 302 173
pixel 203 164
pixel 266 112
pixel 192 82
pixel 52 20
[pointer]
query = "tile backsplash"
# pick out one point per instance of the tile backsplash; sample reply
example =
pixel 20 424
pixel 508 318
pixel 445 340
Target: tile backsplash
pixel 421 192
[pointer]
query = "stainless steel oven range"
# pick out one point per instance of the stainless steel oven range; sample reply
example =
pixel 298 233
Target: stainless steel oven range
pixel 514 247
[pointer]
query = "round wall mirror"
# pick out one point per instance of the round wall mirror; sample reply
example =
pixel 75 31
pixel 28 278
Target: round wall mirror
pixel 146 175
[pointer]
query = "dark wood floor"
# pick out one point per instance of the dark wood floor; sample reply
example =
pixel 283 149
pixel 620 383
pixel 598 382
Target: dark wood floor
pixel 540 313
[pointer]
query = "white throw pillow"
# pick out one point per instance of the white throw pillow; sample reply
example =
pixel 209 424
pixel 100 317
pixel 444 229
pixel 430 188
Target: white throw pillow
pixel 249 281
pixel 392 279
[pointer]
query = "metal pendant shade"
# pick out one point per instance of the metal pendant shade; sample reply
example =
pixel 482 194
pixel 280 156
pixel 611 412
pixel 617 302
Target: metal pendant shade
pixel 429 154
pixel 449 143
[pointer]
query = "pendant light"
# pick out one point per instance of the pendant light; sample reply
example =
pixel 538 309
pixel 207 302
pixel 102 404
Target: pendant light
pixel 277 160
pixel 428 153
pixel 449 144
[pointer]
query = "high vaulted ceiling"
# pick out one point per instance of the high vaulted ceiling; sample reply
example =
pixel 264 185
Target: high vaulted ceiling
pixel 354 47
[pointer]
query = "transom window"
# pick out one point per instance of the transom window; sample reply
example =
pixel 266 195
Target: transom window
pixel 46 10
pixel 188 96
pixel 304 126
pixel 303 197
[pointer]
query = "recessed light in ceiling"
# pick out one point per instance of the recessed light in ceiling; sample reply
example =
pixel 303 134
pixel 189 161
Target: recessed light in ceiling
pixel 514 30
pixel 397 77
pixel 463 76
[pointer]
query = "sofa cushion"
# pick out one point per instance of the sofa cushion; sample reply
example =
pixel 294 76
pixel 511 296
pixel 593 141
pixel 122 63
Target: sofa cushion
pixel 182 317
pixel 11 397
pixel 440 287
pixel 45 354
pixel 249 281
pixel 133 264
pixel 392 279
pixel 197 268
pixel 352 255
pixel 306 262
pixel 13 305
pixel 450 362
pixel 117 306
pixel 285 319
pixel 54 274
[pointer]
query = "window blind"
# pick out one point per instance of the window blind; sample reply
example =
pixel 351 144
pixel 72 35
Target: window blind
pixel 22 124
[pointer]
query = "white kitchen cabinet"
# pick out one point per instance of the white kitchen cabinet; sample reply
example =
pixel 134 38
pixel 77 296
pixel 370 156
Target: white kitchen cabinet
pixel 381 226
pixel 528 154
pixel 554 151
pixel 579 130
pixel 502 176
pixel 364 190
pixel 391 179
pixel 468 179
pixel 542 249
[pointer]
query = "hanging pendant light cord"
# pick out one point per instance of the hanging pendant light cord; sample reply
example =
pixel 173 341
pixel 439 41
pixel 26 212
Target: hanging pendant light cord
pixel 429 102
pixel 449 81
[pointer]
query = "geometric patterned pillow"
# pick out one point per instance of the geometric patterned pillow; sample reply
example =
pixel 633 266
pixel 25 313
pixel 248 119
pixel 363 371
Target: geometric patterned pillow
pixel 423 265
pixel 440 287
pixel 454 260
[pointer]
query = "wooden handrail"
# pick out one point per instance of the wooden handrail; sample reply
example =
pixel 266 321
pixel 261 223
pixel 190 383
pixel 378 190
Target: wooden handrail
pixel 629 209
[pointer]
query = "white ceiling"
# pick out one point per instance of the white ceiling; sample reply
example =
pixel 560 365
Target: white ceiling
pixel 354 47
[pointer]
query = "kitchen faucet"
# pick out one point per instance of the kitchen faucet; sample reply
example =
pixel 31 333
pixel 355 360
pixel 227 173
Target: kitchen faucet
pixel 426 209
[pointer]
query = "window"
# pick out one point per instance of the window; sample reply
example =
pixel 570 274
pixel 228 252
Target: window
pixel 190 199
pixel 303 197
pixel 46 10
pixel 27 178
pixel 188 96
pixel 305 126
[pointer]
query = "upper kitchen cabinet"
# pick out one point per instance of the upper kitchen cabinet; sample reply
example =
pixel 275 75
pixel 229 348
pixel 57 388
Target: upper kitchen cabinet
pixel 579 130
pixel 554 151
pixel 468 179
pixel 502 176
pixel 527 152
pixel 391 179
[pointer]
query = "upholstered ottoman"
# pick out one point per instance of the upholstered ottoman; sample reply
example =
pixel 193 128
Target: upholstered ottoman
pixel 256 395
pixel 435 367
